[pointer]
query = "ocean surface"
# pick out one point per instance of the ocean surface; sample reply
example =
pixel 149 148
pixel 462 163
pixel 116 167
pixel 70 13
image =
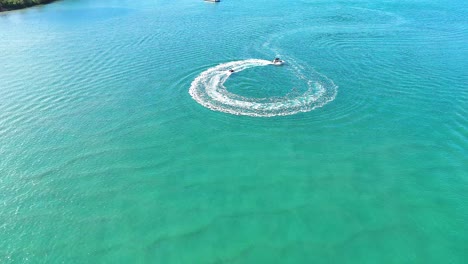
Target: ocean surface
pixel 124 138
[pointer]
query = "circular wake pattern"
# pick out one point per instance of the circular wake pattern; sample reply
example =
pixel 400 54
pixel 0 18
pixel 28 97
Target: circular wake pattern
pixel 208 89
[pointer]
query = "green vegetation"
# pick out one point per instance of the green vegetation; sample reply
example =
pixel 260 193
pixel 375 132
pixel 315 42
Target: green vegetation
pixel 17 4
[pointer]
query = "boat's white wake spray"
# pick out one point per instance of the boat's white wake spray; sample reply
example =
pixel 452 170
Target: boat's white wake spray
pixel 208 89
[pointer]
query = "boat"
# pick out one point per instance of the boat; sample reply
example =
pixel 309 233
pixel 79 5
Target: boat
pixel 277 62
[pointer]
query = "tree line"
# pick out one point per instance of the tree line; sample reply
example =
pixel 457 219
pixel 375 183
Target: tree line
pixel 16 4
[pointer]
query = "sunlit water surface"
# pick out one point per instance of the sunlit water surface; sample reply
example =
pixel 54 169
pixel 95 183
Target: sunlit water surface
pixel 124 138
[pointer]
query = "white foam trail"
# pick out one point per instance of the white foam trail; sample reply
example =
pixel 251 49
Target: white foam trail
pixel 208 89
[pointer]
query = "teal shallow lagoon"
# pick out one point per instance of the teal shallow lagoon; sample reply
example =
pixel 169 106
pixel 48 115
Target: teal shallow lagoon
pixel 105 156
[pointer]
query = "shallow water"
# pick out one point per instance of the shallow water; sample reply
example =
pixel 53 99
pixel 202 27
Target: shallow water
pixel 105 156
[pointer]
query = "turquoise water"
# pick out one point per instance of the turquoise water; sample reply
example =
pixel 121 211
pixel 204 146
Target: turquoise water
pixel 117 146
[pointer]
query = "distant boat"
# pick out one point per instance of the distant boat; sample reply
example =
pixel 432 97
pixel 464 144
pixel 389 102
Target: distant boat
pixel 212 1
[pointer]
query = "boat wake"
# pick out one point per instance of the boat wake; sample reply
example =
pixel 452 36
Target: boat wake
pixel 208 89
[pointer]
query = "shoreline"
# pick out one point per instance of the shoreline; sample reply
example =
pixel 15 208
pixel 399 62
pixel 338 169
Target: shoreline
pixel 5 7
